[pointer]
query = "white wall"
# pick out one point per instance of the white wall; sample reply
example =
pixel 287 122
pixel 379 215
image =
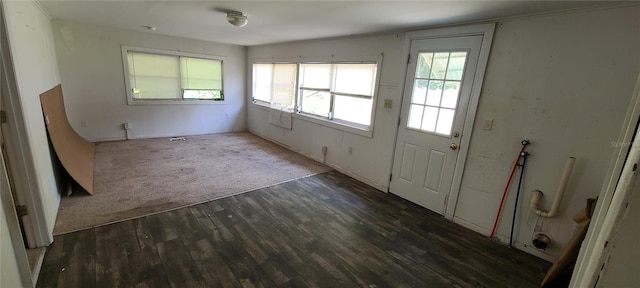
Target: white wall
pixel 93 83
pixel 562 81
pixel 36 71
pixel 307 137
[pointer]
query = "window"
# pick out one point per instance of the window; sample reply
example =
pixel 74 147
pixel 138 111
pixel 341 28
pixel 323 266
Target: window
pixel 275 84
pixel 436 88
pixel 156 76
pixel 339 95
pixel 340 91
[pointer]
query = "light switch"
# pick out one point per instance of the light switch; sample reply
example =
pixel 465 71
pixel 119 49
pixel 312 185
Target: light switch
pixel 487 124
pixel 388 103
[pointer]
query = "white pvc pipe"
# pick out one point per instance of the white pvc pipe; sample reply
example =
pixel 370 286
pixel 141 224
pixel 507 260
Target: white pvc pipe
pixel 537 194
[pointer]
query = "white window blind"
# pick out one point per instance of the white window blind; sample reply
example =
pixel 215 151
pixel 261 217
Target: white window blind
pixel 173 77
pixel 201 74
pixel 154 76
pixel 339 91
pixel 284 85
pixel 315 76
pixel 357 79
pixel 275 84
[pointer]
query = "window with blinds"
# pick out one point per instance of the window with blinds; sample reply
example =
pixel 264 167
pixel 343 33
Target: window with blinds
pixel 168 77
pixel 275 83
pixel 339 91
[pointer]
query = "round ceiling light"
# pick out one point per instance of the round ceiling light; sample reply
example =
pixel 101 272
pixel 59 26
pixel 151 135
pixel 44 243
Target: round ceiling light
pixel 236 18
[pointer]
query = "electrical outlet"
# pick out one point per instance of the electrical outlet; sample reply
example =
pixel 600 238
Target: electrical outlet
pixel 126 125
pixel 324 150
pixel 350 150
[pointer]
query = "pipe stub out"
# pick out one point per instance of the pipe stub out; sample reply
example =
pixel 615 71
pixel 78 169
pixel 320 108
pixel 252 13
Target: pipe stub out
pixel 541 241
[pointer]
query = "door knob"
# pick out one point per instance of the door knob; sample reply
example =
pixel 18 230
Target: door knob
pixel 453 146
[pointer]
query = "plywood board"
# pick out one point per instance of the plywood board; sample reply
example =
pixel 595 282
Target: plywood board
pixel 571 250
pixel 75 153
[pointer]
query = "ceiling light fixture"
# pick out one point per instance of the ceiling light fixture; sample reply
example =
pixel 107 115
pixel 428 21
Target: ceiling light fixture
pixel 236 18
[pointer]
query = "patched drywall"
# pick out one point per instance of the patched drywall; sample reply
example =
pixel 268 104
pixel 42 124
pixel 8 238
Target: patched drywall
pixel 563 81
pixel 93 83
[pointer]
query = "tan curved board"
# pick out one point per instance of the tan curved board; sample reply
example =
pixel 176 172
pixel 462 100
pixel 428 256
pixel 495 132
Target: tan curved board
pixel 75 153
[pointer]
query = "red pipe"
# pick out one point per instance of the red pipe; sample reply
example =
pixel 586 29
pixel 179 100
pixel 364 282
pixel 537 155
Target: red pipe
pixel 506 189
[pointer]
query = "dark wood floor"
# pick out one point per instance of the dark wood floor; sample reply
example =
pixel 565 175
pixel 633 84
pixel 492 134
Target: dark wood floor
pixel 322 231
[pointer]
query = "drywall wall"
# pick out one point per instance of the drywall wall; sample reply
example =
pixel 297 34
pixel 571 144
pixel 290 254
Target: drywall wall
pixel 93 84
pixel 36 70
pixel 308 137
pixel 561 82
pixel 557 80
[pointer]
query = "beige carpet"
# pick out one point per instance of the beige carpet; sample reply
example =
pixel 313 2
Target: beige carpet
pixel 138 177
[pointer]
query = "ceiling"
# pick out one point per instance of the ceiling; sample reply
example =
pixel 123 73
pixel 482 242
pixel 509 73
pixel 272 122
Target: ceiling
pixel 283 21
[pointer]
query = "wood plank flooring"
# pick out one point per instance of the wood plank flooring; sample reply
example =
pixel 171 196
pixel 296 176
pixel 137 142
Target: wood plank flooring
pixel 327 230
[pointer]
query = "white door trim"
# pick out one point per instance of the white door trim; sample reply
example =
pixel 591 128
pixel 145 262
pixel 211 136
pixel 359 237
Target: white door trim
pixel 14 227
pixel 611 203
pixel 486 31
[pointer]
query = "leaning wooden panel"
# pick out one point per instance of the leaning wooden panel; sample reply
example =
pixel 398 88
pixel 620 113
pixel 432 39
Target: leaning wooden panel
pixel 75 153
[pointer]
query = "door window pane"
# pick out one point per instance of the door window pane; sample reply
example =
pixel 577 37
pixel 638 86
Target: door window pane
pixel 423 69
pixel 429 119
pixel 450 94
pixel 415 116
pixel 456 65
pixel 439 67
pixel 435 91
pixel 445 121
pixel 419 91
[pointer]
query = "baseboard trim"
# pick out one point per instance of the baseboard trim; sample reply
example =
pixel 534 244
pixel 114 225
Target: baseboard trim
pixel 381 187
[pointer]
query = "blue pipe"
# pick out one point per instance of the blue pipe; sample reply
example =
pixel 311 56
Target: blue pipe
pixel 515 207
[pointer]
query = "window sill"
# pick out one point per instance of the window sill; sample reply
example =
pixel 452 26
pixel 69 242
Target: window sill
pixel 175 102
pixel 336 124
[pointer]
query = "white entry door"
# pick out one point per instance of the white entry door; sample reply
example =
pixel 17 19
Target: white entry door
pixel 437 92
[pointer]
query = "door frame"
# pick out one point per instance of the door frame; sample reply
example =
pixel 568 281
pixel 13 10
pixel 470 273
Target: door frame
pixel 24 175
pixel 11 216
pixel 612 202
pixel 486 31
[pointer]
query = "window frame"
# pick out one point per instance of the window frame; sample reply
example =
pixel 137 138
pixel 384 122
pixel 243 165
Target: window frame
pixel 253 78
pixel 178 101
pixel 333 94
pixel 351 127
